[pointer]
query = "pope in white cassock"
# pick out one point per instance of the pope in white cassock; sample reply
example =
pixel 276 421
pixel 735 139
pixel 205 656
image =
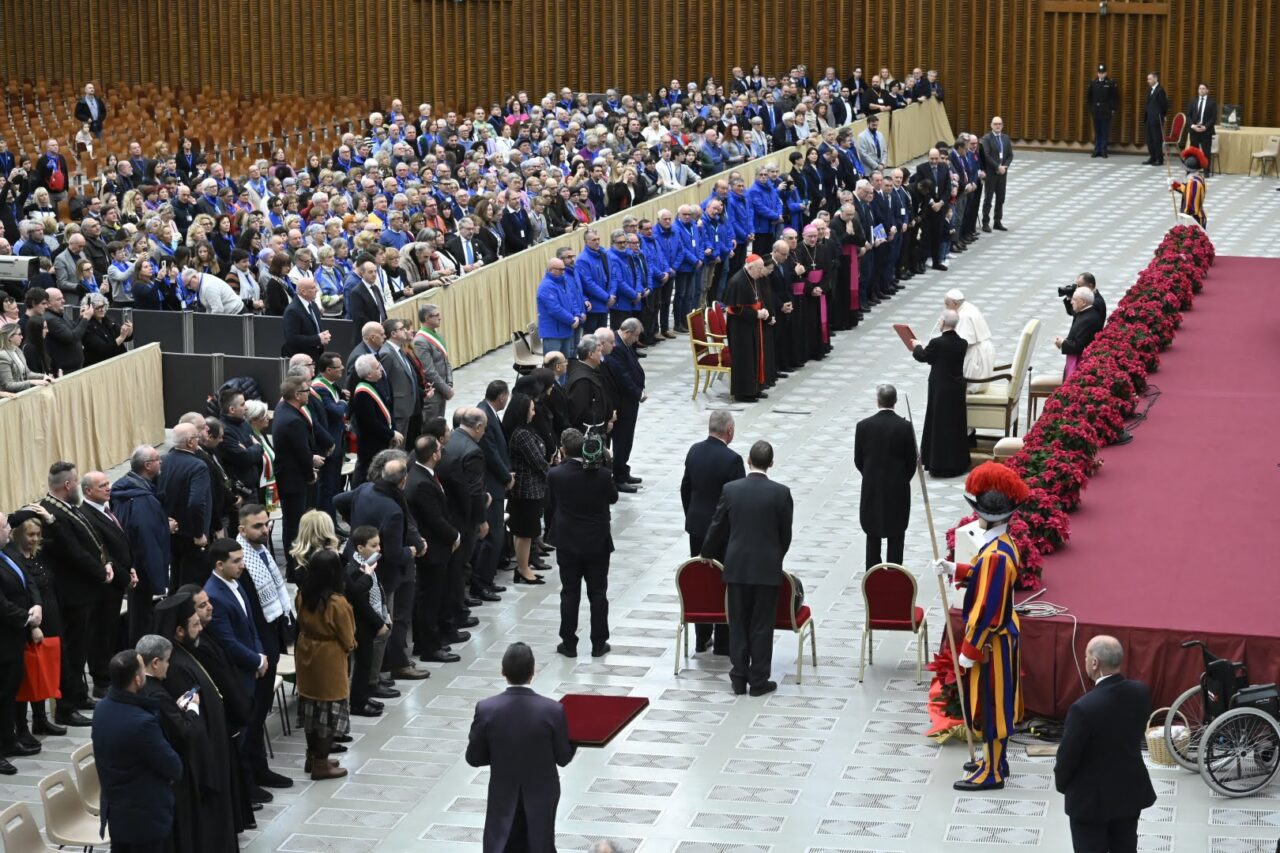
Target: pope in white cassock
pixel 980 357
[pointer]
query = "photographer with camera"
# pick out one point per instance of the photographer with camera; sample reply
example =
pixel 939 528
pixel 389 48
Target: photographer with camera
pixel 1085 279
pixel 1085 324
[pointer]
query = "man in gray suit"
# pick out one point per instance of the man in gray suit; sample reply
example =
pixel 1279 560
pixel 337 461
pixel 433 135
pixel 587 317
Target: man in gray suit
pixel 873 150
pixel 405 393
pixel 750 534
pixel 428 343
pixel 997 154
pixel 64 269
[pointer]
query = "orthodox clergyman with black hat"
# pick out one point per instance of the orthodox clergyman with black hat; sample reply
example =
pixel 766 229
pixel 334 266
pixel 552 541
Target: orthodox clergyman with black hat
pixel 990 648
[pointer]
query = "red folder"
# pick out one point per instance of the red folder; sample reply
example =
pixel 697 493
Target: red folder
pixel 904 332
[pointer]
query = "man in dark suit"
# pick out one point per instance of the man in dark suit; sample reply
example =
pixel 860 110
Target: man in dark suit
pixel 498 478
pixel 380 503
pixel 104 622
pixel 1202 113
pixel 185 491
pixel 425 497
pixel 628 380
pixel 1153 114
pixel 938 174
pixel 466 249
pixel 232 621
pixel 1085 324
pixel 136 765
pixel 462 472
pixel 297 458
pixel 708 466
pixel 21 613
pixel 406 392
pixel 521 737
pixel 1099 768
pixel 997 153
pixel 76 557
pixel 136 503
pixel 750 535
pixel 1086 279
pixel 302 330
pixel 91 109
pixel 365 302
pixel 580 491
pixel 884 452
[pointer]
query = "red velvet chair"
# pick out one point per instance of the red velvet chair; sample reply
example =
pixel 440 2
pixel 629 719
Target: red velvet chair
pixel 889 596
pixel 800 623
pixel 1173 142
pixel 703 600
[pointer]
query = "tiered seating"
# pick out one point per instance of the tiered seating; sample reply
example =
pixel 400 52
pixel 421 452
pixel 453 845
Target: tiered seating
pixel 231 127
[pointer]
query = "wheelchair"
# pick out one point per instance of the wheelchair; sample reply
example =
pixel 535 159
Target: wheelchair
pixel 1225 728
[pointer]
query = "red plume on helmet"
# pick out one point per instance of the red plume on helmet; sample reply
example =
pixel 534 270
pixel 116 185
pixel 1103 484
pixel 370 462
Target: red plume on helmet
pixel 994 491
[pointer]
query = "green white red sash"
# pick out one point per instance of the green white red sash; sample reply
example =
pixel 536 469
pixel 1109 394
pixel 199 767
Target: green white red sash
pixel 366 388
pixel 432 337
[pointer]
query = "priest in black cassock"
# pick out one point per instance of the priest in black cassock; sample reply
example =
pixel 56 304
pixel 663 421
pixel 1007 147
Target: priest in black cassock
pixel 781 275
pixel 849 233
pixel 944 448
pixel 747 315
pixel 213 758
pixel 809 255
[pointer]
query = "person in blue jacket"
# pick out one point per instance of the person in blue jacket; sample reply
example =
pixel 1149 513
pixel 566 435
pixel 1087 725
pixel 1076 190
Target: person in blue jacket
pixel 688 263
pixel 660 279
pixel 135 500
pixel 740 218
pixel 136 765
pixel 765 207
pixel 558 318
pixel 623 287
pixel 593 277
pixel 717 235
pixel 668 241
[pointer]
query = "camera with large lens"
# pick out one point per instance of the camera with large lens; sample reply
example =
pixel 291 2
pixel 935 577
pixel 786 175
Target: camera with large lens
pixel 1066 290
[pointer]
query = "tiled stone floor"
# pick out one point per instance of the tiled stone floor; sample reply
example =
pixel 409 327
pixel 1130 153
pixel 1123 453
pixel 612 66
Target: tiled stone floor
pixel 832 765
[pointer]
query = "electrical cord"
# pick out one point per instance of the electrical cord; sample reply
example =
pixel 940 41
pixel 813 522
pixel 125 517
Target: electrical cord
pixel 1150 396
pixel 1033 609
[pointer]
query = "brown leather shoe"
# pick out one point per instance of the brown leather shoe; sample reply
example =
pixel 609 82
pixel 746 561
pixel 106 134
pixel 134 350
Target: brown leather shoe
pixel 307 762
pixel 410 673
pixel 668 334
pixel 323 768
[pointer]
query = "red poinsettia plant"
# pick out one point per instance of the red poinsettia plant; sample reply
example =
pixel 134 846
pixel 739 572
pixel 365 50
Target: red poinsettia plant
pixel 946 716
pixel 1060 451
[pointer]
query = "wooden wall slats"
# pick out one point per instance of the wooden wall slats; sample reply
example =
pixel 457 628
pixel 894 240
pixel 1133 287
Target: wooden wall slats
pixel 1013 57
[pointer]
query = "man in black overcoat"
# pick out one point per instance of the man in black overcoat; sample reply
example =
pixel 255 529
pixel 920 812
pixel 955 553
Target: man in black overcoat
pixel 945 444
pixel 1099 767
pixel 708 466
pixel 750 534
pixel 884 452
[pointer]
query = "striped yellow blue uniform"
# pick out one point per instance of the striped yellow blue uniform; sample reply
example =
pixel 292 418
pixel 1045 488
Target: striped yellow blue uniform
pixel 993 689
pixel 1191 198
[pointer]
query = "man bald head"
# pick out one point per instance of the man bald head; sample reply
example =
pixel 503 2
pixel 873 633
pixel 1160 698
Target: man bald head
pixel 1103 656
pixel 185 435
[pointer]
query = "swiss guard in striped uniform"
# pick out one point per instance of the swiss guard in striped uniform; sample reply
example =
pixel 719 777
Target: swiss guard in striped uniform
pixel 1192 192
pixel 990 649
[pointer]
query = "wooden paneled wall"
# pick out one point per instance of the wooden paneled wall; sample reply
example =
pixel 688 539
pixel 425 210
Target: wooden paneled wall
pixel 1028 60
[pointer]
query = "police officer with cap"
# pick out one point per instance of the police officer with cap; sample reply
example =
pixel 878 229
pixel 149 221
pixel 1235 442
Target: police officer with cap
pixel 1103 98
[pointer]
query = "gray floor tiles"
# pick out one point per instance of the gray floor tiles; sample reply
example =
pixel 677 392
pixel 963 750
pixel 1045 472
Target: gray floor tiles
pixel 828 765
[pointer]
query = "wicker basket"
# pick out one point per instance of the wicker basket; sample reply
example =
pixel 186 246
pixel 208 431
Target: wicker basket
pixel 1158 748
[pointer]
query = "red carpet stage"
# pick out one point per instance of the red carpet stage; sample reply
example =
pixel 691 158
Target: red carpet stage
pixel 595 720
pixel 1176 535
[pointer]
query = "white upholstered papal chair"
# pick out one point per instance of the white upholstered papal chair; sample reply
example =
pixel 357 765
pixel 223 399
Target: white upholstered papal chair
pixel 994 413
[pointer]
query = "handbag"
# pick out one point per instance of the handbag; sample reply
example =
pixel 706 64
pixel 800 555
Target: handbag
pixel 43 671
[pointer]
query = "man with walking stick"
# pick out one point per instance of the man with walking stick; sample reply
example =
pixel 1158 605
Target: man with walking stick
pixel 990 650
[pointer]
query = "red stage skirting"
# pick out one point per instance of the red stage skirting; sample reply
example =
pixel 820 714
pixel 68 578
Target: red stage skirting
pixel 596 720
pixel 1176 536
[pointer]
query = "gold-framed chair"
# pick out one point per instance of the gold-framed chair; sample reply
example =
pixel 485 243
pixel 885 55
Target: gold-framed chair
pixel 889 600
pixel 994 412
pixel 711 357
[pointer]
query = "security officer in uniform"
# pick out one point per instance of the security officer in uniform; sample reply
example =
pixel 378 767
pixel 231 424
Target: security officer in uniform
pixel 1103 98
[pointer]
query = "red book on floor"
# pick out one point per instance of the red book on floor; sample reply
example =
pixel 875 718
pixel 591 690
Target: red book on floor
pixel 595 720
